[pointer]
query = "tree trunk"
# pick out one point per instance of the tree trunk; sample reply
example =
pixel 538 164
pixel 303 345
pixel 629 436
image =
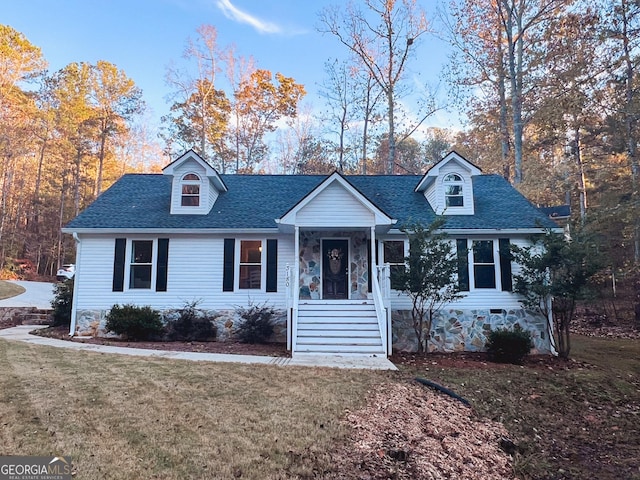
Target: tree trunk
pixel 103 143
pixel 582 182
pixel 504 129
pixel 76 187
pixel 632 144
pixel 516 99
pixel 392 134
pixel 365 127
pixel 36 190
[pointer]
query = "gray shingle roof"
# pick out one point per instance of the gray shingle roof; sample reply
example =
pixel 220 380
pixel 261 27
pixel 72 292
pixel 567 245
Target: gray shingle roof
pixel 254 201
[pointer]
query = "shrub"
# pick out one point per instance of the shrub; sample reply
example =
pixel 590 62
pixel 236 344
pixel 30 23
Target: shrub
pixel 257 325
pixel 135 323
pixel 62 302
pixel 509 346
pixel 192 325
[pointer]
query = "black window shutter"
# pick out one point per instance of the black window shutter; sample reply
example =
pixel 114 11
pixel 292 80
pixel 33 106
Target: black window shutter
pixel 227 268
pixel 272 265
pixel 161 268
pixel 463 264
pixel 505 264
pixel 118 265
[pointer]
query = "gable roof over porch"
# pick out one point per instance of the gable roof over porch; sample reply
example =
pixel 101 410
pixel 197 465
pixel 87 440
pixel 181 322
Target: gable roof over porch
pixel 335 203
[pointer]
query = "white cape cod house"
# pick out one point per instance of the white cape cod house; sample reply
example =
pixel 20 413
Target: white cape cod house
pixel 317 248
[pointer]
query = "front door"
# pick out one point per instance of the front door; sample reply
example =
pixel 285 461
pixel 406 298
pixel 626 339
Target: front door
pixel 335 269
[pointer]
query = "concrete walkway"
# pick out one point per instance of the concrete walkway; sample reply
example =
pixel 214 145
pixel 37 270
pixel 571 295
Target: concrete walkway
pixel 36 294
pixel 21 334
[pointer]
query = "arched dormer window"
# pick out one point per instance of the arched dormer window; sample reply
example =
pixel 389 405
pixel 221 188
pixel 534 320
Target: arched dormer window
pixel 190 190
pixel 453 185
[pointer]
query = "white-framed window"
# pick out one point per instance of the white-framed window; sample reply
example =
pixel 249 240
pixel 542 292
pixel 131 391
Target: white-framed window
pixel 453 190
pixel 394 253
pixel 190 186
pixel 250 259
pixel 141 264
pixel 484 263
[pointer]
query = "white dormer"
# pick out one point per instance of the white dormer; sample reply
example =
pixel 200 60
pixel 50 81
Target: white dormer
pixel 448 185
pixel 195 185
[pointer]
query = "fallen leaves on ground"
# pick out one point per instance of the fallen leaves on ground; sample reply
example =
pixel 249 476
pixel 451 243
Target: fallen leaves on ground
pixel 408 431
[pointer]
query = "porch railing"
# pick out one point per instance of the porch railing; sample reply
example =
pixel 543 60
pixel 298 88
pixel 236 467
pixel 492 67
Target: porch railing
pixel 289 295
pixel 382 304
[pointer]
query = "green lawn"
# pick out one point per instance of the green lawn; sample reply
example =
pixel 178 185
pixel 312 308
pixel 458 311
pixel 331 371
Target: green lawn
pixel 124 418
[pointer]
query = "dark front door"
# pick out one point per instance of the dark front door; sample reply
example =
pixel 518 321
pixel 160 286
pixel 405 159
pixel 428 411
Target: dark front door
pixel 335 269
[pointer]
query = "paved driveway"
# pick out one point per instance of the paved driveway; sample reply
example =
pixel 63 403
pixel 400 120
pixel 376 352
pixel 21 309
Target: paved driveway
pixel 37 294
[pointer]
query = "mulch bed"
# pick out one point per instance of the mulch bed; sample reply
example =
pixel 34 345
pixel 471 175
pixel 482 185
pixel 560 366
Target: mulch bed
pixel 472 360
pixel 269 349
pixel 407 431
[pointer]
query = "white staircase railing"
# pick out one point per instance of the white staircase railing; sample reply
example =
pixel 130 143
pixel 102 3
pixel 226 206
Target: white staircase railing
pixel 384 281
pixel 287 284
pixel 382 310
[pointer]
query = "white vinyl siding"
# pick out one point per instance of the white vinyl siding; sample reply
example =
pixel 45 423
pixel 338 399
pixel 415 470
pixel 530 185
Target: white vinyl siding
pixel 207 195
pixel 194 273
pixel 335 207
pixel 436 192
pixel 483 298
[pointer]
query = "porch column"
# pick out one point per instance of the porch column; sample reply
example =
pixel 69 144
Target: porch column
pixel 374 264
pixel 296 289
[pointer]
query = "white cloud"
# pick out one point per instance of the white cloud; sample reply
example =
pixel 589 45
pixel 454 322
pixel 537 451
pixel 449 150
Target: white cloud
pixel 234 13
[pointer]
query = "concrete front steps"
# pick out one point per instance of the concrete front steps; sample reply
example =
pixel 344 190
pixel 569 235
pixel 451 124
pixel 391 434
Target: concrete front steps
pixel 343 327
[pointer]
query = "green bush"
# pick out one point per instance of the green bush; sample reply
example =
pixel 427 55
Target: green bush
pixel 257 325
pixel 61 303
pixel 135 323
pixel 509 346
pixel 192 325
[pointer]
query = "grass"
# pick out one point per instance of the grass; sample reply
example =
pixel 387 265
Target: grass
pixel 8 289
pixel 570 423
pixel 123 418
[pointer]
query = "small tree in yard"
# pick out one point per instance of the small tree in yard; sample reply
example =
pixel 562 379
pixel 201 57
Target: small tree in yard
pixel 430 276
pixel 554 275
pixel 62 301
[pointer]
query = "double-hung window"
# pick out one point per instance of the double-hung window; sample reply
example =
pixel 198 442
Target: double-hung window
pixel 141 264
pixel 485 265
pixel 394 255
pixel 250 265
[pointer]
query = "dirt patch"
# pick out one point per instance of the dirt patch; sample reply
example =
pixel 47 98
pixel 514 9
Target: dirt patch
pixel 269 349
pixel 407 431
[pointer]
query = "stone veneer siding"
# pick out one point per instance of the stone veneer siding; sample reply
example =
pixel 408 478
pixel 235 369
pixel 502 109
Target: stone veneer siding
pixel 467 330
pixel 93 323
pixel 311 263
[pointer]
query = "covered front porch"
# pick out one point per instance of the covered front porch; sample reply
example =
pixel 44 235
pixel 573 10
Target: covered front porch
pixel 337 294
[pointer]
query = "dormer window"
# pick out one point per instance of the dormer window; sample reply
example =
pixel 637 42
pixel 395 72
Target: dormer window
pixel 190 190
pixel 453 194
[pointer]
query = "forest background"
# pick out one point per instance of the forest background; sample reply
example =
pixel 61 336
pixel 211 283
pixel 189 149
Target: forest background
pixel 548 88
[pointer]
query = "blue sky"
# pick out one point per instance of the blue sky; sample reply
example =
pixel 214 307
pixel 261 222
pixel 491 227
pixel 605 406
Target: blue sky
pixel 143 37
